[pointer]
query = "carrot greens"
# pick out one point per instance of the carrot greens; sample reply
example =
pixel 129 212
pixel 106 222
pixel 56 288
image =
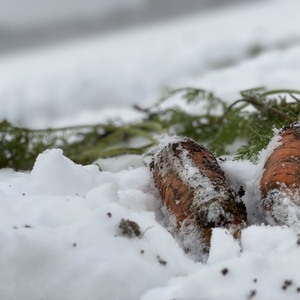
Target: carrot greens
pixel 242 128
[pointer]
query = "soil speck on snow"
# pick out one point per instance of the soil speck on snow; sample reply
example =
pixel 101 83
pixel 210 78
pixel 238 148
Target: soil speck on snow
pixel 161 261
pixel 130 229
pixel 286 284
pixel 252 294
pixel 224 271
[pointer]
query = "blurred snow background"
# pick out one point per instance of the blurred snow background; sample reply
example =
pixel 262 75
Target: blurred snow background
pixel 77 74
pixel 32 22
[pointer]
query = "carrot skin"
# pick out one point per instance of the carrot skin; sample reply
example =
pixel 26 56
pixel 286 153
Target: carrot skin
pixel 282 168
pixel 280 181
pixel 195 190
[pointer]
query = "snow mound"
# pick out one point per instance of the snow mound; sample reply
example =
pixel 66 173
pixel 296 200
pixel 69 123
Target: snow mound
pixel 55 174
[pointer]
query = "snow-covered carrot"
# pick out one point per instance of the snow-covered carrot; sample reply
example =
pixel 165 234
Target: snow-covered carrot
pixel 195 190
pixel 280 182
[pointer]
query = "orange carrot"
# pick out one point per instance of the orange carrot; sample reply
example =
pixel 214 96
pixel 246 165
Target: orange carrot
pixel 195 190
pixel 280 182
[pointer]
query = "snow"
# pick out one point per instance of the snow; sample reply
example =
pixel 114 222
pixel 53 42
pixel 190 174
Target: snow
pixel 258 272
pixel 40 184
pixel 60 234
pixel 82 82
pixel 60 237
pixel 230 247
pixel 100 231
pixel 20 14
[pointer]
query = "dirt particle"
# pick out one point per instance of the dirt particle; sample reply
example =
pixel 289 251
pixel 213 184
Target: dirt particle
pixel 222 159
pixel 74 245
pixel 109 214
pixel 130 229
pixel 161 261
pixel 224 271
pixel 15 227
pixel 142 251
pixel 286 284
pixel 187 250
pixel 252 294
pixel 241 192
pixel 151 165
pixel 254 280
pixel 298 289
pixel 298 241
pixel 27 226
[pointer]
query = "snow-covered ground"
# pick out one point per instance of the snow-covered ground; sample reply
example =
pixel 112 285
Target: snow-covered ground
pixel 67 233
pixel 75 232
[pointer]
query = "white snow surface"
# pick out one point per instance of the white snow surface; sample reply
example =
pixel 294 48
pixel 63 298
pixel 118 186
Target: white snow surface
pixel 60 239
pixel 59 223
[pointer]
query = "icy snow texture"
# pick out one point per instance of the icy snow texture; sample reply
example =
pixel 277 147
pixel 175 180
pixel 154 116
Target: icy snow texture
pixel 284 210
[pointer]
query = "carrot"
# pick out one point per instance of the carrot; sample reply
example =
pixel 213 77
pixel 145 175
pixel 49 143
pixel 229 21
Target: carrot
pixel 194 189
pixel 280 182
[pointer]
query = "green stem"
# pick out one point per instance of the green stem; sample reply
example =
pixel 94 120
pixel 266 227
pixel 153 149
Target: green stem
pixel 280 91
pixel 258 104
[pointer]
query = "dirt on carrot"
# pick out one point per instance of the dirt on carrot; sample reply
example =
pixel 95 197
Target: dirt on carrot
pixel 195 190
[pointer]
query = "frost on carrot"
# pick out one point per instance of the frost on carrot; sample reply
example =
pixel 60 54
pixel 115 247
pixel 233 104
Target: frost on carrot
pixel 280 181
pixel 195 191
